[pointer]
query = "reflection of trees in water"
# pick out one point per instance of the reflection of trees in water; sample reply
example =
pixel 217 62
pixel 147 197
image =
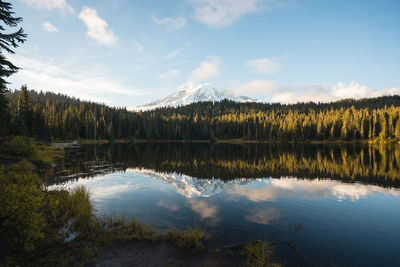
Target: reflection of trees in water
pixel 377 164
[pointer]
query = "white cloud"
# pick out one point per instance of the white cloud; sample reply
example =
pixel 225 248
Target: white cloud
pixel 221 13
pixel 138 47
pixel 273 92
pixel 40 75
pixel 263 65
pixel 170 74
pixel 97 27
pixel 61 5
pixel 256 87
pixel 208 68
pixel 48 27
pixel 177 52
pixel 325 93
pixel 171 23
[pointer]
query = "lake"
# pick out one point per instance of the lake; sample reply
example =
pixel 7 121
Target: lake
pixel 339 205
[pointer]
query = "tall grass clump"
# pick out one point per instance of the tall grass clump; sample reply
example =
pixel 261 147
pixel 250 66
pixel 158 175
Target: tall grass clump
pixel 259 254
pixel 191 238
pixel 81 209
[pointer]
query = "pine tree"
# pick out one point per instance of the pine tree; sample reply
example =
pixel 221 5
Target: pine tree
pixel 397 130
pixel 25 110
pixel 8 41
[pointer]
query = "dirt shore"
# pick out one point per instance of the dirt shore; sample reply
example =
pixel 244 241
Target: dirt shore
pixel 163 254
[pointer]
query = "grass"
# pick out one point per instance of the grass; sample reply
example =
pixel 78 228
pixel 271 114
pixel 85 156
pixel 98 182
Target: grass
pixel 114 230
pixel 259 254
pixel 191 238
pixel 81 209
pixel 46 154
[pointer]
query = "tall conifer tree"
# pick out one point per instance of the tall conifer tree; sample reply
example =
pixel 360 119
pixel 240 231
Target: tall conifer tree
pixel 8 41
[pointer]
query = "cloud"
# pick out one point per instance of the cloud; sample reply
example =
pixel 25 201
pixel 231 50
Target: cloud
pixel 263 216
pixel 61 5
pixel 40 75
pixel 208 68
pixel 48 27
pixel 326 93
pixel 171 23
pixel 97 27
pixel 273 92
pixel 177 52
pixel 256 87
pixel 169 74
pixel 263 65
pixel 138 47
pixel 221 13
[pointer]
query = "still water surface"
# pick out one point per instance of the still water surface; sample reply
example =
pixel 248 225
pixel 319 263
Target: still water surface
pixel 338 205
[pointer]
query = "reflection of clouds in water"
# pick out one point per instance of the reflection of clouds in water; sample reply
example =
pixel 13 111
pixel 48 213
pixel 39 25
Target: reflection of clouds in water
pixel 168 205
pixel 204 209
pixel 271 189
pixel 263 216
pixel 105 187
pixel 256 191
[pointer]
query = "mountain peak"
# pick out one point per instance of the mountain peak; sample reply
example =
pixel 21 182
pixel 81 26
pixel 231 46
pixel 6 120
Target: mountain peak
pixel 189 93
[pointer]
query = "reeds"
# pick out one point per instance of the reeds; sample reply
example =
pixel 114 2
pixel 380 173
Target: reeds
pixel 191 238
pixel 259 254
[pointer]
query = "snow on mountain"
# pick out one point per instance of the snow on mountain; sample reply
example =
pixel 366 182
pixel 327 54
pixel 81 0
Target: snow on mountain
pixel 190 186
pixel 190 93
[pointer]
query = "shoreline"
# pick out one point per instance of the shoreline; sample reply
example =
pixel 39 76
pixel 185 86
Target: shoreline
pixel 64 143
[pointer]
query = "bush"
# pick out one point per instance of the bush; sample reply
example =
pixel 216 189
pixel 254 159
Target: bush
pixel 18 146
pixel 22 199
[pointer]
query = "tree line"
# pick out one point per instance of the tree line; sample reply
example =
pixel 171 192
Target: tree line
pixel 55 116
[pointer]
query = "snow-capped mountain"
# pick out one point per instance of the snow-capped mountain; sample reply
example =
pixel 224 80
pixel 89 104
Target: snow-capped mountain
pixel 190 93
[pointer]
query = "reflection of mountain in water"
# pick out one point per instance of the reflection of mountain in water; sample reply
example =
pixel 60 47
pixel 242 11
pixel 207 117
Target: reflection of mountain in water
pixel 189 186
pixel 255 190
pixel 370 164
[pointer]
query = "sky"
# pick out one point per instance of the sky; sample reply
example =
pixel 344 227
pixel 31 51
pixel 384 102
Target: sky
pixel 127 53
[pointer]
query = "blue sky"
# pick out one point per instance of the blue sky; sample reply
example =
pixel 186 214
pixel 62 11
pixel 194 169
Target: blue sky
pixel 127 53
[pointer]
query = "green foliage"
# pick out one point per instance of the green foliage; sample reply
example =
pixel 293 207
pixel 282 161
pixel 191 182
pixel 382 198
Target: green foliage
pixel 259 254
pixel 21 211
pixel 191 238
pixel 18 146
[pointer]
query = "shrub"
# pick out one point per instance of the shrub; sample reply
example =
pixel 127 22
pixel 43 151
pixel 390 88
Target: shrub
pixel 22 200
pixel 18 146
